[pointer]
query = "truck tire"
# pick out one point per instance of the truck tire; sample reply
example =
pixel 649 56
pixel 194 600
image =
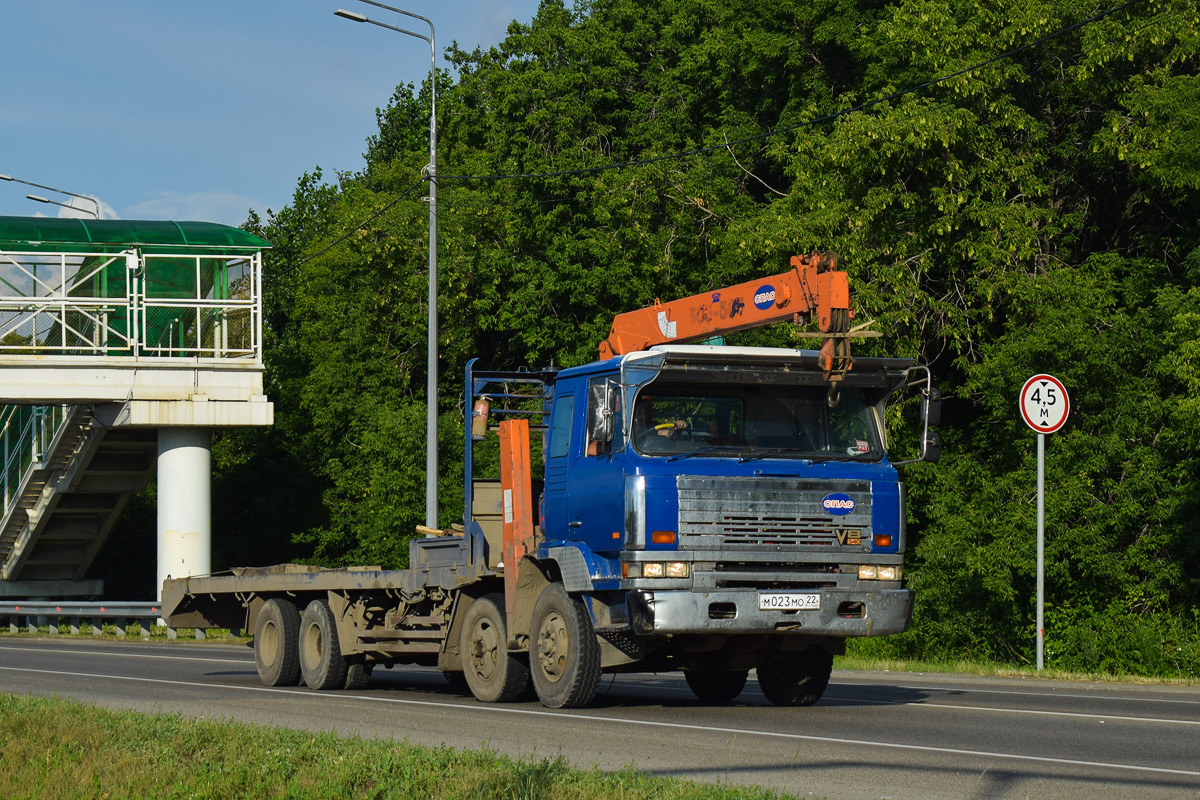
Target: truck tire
pixel 321 661
pixel 564 656
pixel 716 685
pixel 493 674
pixel 358 674
pixel 795 679
pixel 277 643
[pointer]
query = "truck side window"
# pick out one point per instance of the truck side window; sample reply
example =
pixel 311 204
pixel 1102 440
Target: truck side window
pixel 604 428
pixel 560 435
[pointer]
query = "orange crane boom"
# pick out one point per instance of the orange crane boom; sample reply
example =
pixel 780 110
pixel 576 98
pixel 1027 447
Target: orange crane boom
pixel 813 287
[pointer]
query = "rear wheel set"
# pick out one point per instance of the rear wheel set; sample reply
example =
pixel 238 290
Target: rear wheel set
pixel 290 646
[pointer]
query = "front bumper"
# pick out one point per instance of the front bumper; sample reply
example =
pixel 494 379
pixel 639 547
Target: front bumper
pixel 843 613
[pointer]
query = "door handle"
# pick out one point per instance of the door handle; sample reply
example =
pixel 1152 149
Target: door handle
pixel 574 524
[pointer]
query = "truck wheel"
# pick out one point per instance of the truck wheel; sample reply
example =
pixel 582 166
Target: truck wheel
pixel 276 643
pixel 358 674
pixel 321 661
pixel 492 673
pixel 564 656
pixel 795 679
pixel 716 685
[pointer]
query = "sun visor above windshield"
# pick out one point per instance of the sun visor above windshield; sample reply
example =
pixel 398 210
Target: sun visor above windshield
pixel 719 363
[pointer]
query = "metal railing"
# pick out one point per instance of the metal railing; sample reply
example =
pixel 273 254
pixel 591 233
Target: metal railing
pixel 131 305
pixel 30 616
pixel 26 433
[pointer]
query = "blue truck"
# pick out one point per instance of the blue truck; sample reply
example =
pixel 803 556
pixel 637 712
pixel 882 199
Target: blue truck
pixel 703 508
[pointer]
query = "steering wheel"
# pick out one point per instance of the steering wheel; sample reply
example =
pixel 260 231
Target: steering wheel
pixel 676 433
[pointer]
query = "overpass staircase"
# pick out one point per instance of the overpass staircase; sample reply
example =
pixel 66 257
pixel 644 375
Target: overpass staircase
pixel 66 481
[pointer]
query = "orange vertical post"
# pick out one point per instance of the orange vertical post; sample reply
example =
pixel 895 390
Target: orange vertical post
pixel 517 491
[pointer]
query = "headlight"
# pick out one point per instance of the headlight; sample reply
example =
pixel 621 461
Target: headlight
pixel 677 569
pixel 655 569
pixel 870 572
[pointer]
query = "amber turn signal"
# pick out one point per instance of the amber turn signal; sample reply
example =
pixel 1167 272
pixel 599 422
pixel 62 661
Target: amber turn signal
pixel 662 537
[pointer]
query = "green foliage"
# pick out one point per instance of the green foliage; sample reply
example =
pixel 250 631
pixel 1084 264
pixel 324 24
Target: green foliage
pixel 1034 214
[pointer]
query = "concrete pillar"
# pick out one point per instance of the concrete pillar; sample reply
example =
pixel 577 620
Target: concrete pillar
pixel 184 503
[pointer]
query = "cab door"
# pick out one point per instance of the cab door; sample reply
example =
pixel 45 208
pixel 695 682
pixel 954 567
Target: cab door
pixel 596 482
pixel 558 457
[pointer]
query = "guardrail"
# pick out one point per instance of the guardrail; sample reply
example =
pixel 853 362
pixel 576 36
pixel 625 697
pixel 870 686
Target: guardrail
pixel 30 615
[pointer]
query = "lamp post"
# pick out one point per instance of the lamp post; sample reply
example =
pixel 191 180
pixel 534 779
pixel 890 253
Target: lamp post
pixel 37 198
pixel 41 199
pixel 431 391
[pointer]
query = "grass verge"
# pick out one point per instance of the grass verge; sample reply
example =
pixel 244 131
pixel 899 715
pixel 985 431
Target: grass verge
pixel 52 749
pixel 852 662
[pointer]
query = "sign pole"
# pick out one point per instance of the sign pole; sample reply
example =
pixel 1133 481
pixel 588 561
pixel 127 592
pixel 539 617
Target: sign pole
pixel 1041 548
pixel 1044 405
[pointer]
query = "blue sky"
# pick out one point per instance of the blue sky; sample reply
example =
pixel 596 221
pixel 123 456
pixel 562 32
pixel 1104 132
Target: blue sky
pixel 203 109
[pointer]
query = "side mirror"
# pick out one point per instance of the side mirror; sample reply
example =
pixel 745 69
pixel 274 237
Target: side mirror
pixel 918 381
pixel 931 448
pixel 931 407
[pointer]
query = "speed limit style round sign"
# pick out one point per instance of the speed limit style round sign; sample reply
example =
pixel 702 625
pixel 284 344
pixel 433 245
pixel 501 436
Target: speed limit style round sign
pixel 1044 403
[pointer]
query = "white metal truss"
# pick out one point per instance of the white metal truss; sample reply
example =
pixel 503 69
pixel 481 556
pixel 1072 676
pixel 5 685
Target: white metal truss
pixel 198 307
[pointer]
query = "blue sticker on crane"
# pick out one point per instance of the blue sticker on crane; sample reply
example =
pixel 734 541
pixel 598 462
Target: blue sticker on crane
pixel 764 297
pixel 838 504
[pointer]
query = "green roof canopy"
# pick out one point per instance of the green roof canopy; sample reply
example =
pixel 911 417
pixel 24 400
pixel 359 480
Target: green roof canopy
pixel 103 235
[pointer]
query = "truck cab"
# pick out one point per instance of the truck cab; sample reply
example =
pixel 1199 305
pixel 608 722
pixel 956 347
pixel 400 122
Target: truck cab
pixel 706 494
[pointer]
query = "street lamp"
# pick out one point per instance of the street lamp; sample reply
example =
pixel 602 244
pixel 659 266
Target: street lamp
pixel 37 198
pixel 40 199
pixel 430 171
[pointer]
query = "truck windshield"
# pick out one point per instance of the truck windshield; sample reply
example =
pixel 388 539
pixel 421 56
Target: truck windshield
pixel 752 422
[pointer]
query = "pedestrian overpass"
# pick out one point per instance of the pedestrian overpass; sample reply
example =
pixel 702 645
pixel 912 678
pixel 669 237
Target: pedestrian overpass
pixel 123 344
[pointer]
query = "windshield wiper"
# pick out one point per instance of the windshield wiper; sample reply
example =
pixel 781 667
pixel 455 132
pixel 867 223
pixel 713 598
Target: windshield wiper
pixel 703 450
pixel 776 451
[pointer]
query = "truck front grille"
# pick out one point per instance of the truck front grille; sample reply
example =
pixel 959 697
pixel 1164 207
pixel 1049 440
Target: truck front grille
pixel 774 513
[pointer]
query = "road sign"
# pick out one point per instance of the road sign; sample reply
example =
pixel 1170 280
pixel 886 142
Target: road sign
pixel 1044 403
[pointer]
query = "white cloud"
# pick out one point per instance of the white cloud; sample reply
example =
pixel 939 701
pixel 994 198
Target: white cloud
pixel 85 208
pixel 227 208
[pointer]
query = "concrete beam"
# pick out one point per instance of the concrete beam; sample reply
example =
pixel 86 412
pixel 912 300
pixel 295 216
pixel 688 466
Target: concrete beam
pixel 197 411
pixel 49 380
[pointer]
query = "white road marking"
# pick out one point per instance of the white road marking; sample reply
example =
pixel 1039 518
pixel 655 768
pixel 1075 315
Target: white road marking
pixel 248 662
pixel 1039 712
pixel 494 709
pixel 1065 695
pixel 943 706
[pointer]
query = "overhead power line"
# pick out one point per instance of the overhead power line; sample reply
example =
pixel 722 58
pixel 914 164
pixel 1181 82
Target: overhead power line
pixel 371 218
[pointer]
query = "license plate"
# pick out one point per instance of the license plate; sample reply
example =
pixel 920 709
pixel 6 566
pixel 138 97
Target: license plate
pixel 789 601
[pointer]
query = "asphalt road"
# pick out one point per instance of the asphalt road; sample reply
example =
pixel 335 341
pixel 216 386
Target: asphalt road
pixel 873 735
